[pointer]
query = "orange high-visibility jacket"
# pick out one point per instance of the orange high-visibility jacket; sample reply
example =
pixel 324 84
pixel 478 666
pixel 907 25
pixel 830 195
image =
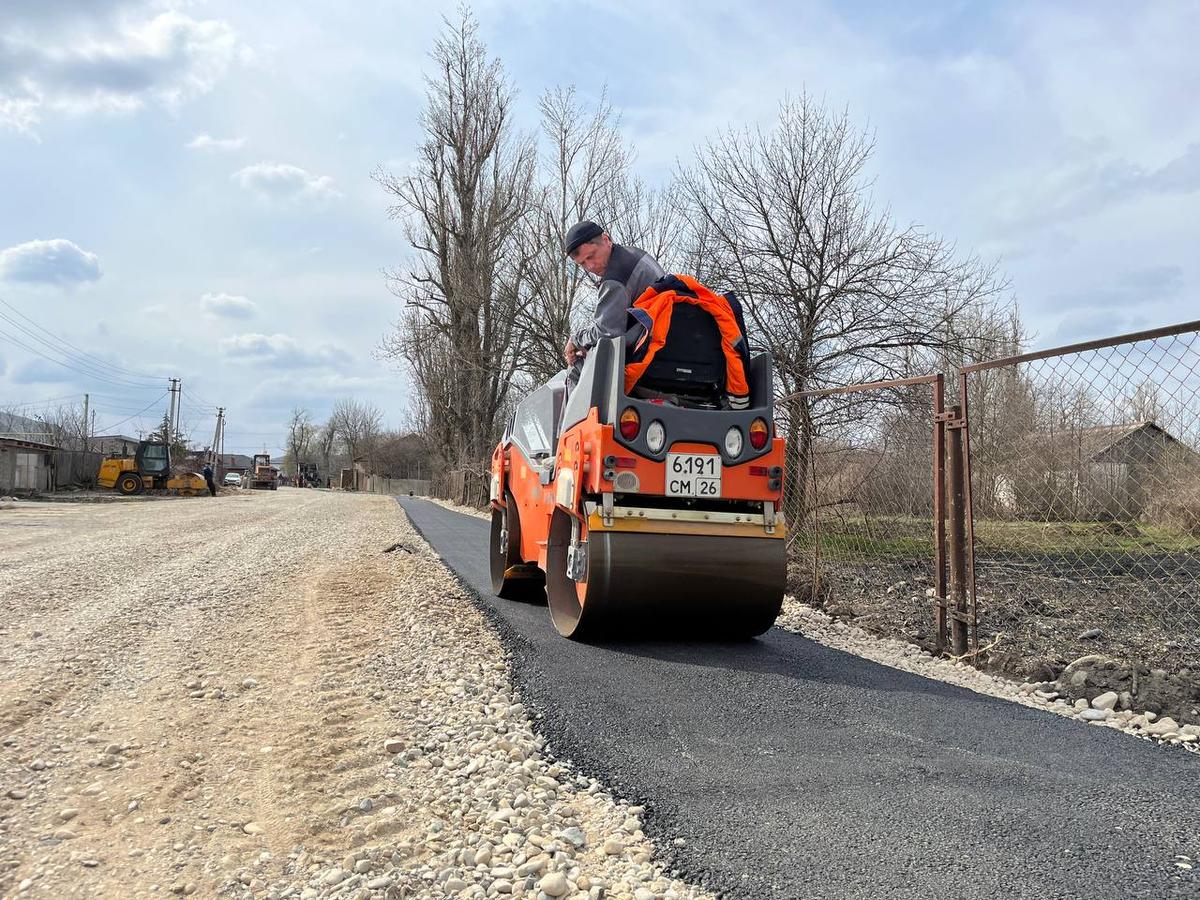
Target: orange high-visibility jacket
pixel 658 304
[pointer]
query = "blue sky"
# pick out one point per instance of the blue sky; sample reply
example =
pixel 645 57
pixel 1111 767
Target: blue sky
pixel 186 185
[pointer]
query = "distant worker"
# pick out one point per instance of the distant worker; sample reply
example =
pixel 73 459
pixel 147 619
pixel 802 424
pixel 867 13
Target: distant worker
pixel 624 273
pixel 207 472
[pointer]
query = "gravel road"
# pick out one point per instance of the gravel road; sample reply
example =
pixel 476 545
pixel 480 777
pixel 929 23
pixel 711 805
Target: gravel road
pixel 787 769
pixel 275 694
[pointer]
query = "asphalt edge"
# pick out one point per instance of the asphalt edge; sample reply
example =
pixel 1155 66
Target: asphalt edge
pixel 565 746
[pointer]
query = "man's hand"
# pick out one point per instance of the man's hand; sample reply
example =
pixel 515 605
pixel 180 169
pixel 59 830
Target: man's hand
pixel 573 353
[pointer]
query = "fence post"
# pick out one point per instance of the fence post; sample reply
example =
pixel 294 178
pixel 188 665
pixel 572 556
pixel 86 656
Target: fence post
pixel 969 513
pixel 958 535
pixel 939 512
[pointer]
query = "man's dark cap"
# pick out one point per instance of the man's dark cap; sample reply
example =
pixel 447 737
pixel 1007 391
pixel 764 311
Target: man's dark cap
pixel 580 233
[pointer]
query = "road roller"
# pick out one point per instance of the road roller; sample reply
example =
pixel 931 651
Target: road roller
pixel 644 508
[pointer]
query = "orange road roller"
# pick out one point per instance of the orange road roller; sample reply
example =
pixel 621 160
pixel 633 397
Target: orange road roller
pixel 651 508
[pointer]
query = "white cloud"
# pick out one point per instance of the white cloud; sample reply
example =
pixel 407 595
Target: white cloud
pixel 228 306
pixel 281 182
pixel 110 64
pixel 281 351
pixel 56 261
pixel 1089 184
pixel 212 144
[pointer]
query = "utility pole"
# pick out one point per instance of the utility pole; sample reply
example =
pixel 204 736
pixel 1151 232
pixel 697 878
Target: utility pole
pixel 178 405
pixel 169 437
pixel 86 398
pixel 215 452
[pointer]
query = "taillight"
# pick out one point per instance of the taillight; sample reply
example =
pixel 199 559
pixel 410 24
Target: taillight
pixel 759 434
pixel 631 423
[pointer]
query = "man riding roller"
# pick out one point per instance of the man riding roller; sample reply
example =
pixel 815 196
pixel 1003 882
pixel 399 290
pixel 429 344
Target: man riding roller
pixel 624 272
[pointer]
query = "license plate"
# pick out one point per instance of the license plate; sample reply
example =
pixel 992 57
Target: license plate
pixel 693 475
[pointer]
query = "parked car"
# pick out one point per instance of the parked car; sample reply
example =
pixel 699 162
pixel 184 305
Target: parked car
pixel 233 478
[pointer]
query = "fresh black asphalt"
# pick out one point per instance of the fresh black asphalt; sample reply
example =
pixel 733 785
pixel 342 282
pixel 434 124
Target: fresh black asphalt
pixel 791 770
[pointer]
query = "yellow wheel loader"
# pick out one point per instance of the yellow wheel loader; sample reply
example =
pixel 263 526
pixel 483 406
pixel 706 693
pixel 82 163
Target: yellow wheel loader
pixel 148 469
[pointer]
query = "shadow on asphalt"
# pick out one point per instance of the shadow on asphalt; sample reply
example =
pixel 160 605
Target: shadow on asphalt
pixel 781 654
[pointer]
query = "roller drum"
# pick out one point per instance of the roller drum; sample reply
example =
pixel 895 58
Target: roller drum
pixel 641 584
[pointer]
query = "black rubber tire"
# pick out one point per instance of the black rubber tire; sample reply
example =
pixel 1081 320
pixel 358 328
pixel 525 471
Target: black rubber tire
pixel 129 483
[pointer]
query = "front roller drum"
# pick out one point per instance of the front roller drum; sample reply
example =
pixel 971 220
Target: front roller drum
pixel 637 584
pixel 512 578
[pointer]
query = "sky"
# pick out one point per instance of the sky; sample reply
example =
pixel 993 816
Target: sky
pixel 185 185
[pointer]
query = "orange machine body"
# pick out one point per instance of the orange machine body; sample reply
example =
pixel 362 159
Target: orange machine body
pixel 640 514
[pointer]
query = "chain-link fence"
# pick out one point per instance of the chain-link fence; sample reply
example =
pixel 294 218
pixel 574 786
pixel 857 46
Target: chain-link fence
pixel 1085 465
pixel 1076 495
pixel 862 508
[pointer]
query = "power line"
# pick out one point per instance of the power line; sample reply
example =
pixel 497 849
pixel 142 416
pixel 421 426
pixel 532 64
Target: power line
pixel 199 401
pixel 115 425
pixel 73 362
pixel 98 361
pixel 122 395
pixel 78 360
pixel 72 365
pixel 41 404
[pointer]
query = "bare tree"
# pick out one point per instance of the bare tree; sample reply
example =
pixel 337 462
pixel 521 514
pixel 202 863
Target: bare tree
pixel 357 424
pixel 301 432
pixel 585 169
pixel 402 455
pixel 584 166
pixel 63 426
pixel 1144 403
pixel 833 288
pixel 464 205
pixel 326 439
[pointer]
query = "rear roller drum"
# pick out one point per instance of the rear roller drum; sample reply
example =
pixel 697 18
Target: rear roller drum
pixel 634 585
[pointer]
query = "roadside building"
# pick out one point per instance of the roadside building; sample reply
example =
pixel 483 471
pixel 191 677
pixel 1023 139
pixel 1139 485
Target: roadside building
pixel 22 427
pixel 233 462
pixel 26 466
pixel 1107 472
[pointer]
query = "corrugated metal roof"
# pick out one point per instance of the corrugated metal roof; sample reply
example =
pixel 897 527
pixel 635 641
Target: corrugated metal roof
pixel 22 443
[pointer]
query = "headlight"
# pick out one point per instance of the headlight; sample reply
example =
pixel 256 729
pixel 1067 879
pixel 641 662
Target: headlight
pixel 656 436
pixel 733 442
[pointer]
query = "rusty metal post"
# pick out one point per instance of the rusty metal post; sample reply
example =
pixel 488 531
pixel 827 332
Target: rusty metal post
pixel 939 513
pixel 969 493
pixel 958 536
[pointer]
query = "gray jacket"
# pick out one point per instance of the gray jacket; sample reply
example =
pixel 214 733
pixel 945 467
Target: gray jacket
pixel 629 272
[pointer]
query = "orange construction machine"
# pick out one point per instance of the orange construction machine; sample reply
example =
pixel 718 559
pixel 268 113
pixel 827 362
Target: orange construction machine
pixel 261 475
pixel 641 498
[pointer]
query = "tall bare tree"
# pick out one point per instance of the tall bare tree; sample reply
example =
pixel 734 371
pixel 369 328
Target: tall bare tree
pixel 301 432
pixel 326 440
pixel 463 205
pixel 357 424
pixel 584 165
pixel 63 426
pixel 832 287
